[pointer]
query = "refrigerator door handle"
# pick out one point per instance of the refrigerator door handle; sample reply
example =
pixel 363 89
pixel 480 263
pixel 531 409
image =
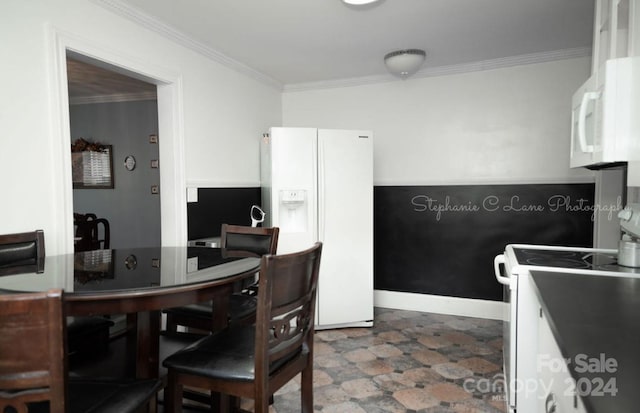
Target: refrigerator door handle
pixel 321 190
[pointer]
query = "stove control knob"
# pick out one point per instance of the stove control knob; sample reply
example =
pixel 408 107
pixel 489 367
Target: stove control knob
pixel 625 214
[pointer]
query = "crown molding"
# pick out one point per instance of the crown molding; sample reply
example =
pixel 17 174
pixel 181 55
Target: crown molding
pixel 589 178
pixel 525 59
pixel 207 183
pixel 115 98
pixel 137 16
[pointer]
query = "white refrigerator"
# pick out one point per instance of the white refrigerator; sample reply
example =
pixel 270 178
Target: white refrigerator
pixel 317 185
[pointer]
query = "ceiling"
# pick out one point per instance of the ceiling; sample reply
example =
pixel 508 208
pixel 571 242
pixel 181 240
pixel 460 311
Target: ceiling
pixel 291 42
pixel 301 41
pixel 88 81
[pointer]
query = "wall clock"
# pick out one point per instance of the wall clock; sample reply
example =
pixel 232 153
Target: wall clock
pixel 130 163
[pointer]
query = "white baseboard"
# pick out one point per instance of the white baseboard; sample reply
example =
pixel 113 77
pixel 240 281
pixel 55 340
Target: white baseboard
pixel 439 304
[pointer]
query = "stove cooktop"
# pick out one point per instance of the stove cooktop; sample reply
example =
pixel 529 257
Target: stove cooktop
pixel 583 260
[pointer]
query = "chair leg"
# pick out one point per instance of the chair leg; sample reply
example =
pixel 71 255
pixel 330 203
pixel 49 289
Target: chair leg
pixel 152 406
pixel 223 401
pixel 172 395
pixel 131 334
pixel 262 404
pixel 307 390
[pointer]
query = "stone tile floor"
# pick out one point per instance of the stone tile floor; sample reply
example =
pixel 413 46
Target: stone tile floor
pixel 408 362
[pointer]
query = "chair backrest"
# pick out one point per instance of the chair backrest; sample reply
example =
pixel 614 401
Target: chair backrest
pixel 88 231
pixel 255 240
pixel 32 351
pixel 286 310
pixel 22 252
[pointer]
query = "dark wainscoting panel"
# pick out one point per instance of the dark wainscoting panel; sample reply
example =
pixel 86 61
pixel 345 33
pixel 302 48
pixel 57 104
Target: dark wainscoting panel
pixel 216 206
pixel 442 239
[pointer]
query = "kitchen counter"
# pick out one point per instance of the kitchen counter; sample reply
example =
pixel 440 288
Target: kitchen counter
pixel 596 323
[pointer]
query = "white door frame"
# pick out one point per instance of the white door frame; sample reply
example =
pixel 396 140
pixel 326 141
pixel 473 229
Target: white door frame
pixel 173 203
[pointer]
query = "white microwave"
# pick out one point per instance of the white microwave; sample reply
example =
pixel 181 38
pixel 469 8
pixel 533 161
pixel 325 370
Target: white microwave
pixel 605 118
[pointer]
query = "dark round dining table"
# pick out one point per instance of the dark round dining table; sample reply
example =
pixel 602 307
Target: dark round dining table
pixel 140 282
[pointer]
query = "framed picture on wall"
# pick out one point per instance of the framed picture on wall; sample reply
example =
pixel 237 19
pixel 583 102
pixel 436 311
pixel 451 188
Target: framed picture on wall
pixel 93 169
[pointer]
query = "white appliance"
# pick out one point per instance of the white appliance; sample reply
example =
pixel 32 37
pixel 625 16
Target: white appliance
pixel 605 127
pixel 629 246
pixel 317 185
pixel 520 337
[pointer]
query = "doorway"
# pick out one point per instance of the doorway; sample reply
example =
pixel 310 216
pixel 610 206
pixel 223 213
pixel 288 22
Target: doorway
pixel 109 109
pixel 169 89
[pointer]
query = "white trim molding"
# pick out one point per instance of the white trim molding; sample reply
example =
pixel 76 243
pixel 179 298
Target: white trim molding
pixel 170 114
pixel 148 22
pixel 60 129
pixel 587 179
pixel 439 304
pixel 505 62
pixel 195 183
pixel 115 98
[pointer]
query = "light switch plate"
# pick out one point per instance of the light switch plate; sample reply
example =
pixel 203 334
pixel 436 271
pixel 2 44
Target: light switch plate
pixel 192 264
pixel 192 194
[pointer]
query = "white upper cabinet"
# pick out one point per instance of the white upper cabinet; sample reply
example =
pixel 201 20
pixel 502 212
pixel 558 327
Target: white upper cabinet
pixel 616 24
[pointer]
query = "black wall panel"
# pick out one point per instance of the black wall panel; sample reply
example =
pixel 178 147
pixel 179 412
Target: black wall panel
pixel 442 239
pixel 216 206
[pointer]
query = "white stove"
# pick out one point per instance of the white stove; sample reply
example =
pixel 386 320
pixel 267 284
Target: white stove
pixel 512 269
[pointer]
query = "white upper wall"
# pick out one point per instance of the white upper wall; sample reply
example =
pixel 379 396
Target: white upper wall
pixel 494 126
pixel 220 113
pixel 502 125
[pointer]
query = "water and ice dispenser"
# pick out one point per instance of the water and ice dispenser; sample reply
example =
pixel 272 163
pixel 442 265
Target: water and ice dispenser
pixel 293 210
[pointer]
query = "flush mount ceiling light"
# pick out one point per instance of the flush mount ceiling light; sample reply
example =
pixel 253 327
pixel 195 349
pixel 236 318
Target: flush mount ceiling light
pixel 404 63
pixel 359 2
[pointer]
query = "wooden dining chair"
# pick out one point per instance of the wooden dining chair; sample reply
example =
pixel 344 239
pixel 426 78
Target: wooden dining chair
pixel 33 364
pixel 92 233
pixel 22 253
pixel 253 362
pixel 25 253
pixel 248 241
